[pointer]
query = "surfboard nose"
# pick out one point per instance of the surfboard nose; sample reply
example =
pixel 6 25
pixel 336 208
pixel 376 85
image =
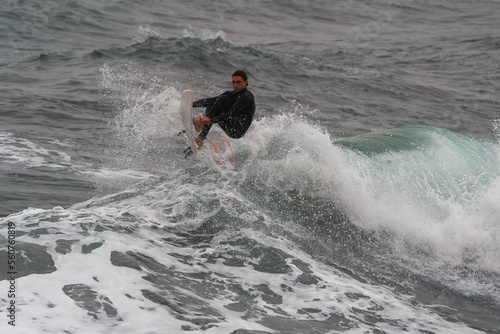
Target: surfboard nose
pixel 186 100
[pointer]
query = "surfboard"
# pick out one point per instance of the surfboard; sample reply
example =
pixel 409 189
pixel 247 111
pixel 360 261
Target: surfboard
pixel 186 112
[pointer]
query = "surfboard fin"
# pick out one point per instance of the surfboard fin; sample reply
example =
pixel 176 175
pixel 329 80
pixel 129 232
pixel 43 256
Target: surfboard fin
pixel 187 152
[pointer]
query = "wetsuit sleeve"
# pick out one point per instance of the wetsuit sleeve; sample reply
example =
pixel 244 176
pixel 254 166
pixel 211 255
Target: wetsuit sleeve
pixel 208 102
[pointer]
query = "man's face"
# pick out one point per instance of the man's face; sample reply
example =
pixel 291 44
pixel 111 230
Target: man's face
pixel 239 84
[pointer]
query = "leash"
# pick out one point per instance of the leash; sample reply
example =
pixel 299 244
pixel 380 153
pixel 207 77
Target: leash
pixel 214 147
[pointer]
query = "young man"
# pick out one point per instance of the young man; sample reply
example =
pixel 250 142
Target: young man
pixel 232 110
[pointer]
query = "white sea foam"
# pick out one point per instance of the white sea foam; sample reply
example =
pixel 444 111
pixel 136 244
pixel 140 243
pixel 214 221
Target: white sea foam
pixel 223 297
pixel 439 205
pixel 138 220
pixel 203 34
pixel 444 207
pixel 108 174
pixel 16 150
pixel 144 32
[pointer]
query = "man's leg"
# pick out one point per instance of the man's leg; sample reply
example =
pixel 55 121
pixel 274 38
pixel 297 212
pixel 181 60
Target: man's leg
pixel 220 106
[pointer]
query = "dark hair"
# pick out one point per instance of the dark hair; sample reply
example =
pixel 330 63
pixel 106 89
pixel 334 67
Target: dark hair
pixel 240 73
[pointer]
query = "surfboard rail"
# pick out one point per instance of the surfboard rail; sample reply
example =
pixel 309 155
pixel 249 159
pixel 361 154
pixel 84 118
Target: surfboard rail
pixel 186 112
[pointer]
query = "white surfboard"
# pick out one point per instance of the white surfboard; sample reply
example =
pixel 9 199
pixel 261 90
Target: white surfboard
pixel 186 111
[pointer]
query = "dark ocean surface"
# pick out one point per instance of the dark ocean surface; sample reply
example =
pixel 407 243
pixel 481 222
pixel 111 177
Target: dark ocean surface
pixel 365 197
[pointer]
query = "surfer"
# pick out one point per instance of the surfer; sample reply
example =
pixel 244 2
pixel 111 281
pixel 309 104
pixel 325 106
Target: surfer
pixel 233 110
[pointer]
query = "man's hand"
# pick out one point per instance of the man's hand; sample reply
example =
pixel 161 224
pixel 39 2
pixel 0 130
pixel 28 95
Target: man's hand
pixel 199 141
pixel 205 120
pixel 200 123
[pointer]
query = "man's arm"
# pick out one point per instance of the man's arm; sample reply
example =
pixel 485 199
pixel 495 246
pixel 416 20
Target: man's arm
pixel 207 102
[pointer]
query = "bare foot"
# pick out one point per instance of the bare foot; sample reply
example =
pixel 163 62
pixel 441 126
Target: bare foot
pixel 199 141
pixel 205 120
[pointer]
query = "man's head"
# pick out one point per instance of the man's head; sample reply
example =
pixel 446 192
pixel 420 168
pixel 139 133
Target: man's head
pixel 240 80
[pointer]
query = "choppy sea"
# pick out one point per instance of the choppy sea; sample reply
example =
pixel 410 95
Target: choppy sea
pixel 365 198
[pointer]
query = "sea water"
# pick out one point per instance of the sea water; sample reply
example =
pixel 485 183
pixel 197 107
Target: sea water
pixel 365 197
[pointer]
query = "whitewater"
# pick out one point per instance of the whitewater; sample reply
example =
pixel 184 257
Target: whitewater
pixel 365 197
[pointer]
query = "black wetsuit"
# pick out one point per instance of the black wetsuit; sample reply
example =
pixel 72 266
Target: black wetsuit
pixel 232 111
